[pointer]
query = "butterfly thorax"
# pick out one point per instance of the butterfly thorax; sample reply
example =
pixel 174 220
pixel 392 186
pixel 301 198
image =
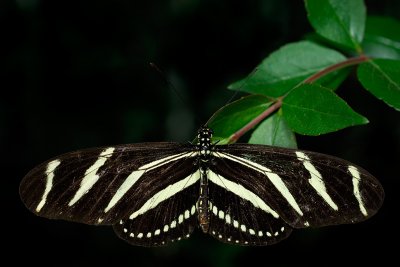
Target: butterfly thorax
pixel 204 147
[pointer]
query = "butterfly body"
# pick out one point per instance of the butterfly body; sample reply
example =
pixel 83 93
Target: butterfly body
pixel 204 149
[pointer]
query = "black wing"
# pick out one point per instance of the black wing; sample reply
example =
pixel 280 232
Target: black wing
pixel 236 220
pixel 144 186
pixel 299 188
pixel 170 221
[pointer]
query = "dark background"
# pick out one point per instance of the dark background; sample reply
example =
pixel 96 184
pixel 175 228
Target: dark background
pixel 75 74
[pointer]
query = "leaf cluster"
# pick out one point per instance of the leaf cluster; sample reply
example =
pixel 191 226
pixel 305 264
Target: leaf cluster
pixel 293 89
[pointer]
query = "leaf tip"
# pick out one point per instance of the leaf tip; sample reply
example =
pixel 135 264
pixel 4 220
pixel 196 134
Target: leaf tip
pixel 365 120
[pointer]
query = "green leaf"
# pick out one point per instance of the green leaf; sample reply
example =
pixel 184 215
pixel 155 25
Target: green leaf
pixel 313 110
pixel 382 38
pixel 274 131
pixel 236 115
pixel 287 67
pixel 381 77
pixel 339 21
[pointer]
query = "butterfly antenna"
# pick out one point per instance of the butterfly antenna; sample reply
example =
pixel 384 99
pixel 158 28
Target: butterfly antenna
pixel 172 87
pixel 168 82
pixel 234 95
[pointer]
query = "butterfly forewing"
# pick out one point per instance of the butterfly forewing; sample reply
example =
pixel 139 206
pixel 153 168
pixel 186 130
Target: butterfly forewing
pixel 303 188
pixel 103 185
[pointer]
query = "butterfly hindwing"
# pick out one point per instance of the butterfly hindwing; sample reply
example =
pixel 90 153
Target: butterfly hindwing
pixel 170 220
pixel 235 220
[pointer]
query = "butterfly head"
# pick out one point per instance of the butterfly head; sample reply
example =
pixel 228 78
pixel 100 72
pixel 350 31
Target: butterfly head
pixel 204 134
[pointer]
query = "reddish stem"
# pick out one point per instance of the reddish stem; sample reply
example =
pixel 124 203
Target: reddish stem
pixel 337 66
pixel 234 137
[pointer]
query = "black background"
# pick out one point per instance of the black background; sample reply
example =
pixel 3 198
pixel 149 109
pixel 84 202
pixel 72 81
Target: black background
pixel 75 74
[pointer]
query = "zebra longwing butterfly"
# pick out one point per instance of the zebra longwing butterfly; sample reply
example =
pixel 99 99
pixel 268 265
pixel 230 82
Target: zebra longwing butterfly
pixel 157 193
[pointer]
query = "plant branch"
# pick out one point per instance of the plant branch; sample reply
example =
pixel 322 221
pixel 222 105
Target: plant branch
pixel 335 67
pixel 278 103
pixel 271 109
